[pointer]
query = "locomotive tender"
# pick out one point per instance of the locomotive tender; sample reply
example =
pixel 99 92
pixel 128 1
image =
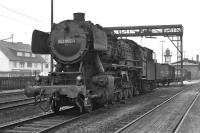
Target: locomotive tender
pixel 93 66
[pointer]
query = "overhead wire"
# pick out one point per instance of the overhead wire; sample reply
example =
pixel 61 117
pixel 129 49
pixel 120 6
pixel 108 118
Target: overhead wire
pixel 22 14
pixel 13 19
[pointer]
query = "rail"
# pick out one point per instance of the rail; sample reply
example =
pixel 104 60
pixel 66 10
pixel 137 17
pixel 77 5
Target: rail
pixel 16 103
pixel 42 123
pixel 176 128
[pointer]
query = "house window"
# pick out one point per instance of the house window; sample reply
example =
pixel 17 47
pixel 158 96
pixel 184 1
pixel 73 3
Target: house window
pixel 27 54
pixel 46 65
pixel 14 64
pixel 33 55
pixel 19 54
pixel 29 64
pixel 35 65
pixel 21 64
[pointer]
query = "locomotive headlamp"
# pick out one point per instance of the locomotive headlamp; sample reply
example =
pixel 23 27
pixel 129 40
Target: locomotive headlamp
pixel 37 78
pixel 79 78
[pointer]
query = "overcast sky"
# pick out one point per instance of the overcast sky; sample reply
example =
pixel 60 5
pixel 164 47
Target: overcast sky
pixel 21 17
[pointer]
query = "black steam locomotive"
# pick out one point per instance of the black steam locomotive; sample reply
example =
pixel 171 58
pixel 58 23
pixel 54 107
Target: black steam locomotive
pixel 93 67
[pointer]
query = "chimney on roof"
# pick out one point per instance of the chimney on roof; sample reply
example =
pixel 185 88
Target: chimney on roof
pixel 19 42
pixel 197 59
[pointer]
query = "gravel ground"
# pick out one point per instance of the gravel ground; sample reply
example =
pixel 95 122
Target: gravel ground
pixel 9 115
pixel 111 118
pixel 4 97
pixel 14 114
pixel 107 119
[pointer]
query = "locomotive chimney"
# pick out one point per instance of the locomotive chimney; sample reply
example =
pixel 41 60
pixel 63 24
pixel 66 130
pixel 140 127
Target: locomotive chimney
pixel 79 16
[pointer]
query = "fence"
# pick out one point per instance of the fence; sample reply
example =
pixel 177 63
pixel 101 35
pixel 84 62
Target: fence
pixel 9 83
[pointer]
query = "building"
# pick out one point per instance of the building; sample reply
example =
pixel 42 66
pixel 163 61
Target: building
pixel 192 66
pixel 168 55
pixel 16 59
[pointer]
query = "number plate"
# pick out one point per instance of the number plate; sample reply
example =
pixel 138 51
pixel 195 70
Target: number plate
pixel 66 41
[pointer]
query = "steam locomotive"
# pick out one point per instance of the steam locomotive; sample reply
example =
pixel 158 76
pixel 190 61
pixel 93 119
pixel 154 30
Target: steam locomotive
pixel 93 67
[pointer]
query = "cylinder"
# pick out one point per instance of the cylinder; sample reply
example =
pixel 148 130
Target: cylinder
pixel 79 16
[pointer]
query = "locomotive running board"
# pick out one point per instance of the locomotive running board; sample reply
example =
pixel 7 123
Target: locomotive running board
pixel 125 66
pixel 71 91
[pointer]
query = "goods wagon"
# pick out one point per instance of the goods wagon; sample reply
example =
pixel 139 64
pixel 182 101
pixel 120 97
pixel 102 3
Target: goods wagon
pixel 165 73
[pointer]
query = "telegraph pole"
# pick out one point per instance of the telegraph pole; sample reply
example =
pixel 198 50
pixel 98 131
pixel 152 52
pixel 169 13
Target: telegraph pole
pixel 12 36
pixel 51 30
pixel 162 49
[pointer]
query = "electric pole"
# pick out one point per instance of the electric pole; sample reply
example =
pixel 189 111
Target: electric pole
pixel 51 30
pixel 12 36
pixel 162 49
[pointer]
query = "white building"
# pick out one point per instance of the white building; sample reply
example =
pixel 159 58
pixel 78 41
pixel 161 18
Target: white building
pixel 190 65
pixel 16 59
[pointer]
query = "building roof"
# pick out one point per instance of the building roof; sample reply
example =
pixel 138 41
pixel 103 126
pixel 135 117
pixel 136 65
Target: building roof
pixel 186 61
pixel 10 50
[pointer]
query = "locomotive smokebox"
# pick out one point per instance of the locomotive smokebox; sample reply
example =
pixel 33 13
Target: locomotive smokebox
pixel 79 16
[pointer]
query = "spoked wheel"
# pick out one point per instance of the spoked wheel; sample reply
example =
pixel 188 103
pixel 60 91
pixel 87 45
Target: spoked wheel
pixel 123 97
pixel 112 100
pixel 120 95
pixel 55 106
pixel 125 94
pixel 135 91
pixel 80 104
pixel 130 92
pixel 88 105
pixel 44 103
pixel 115 97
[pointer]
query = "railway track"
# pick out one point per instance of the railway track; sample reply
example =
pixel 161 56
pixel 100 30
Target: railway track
pixel 178 124
pixel 12 93
pixel 16 103
pixel 176 129
pixel 8 96
pixel 48 122
pixel 42 123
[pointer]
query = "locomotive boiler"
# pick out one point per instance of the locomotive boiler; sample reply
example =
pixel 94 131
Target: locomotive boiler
pixel 93 67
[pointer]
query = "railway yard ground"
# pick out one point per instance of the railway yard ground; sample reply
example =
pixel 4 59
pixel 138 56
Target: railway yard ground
pixel 14 105
pixel 166 109
pixel 11 95
pixel 164 119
